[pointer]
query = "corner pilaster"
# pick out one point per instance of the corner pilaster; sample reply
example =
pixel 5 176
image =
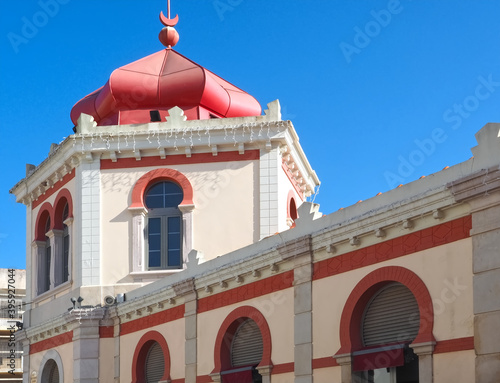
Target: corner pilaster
pixel 301 252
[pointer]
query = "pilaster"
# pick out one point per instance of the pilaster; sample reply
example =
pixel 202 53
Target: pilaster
pixel 301 253
pixel 482 192
pixel 86 345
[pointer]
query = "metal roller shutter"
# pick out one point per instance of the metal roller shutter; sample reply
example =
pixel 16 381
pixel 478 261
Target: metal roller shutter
pixel 246 348
pixel 155 364
pixel 391 316
pixel 54 373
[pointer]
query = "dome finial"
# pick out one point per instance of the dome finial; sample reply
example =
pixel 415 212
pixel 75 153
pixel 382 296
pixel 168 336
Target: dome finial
pixel 168 35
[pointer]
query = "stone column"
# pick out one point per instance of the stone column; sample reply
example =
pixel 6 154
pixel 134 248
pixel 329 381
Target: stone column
pixel 186 290
pixel 56 244
pixel 191 331
pixel 482 191
pixel 38 254
pixel 300 251
pixel 86 345
pixel 345 361
pixel 425 360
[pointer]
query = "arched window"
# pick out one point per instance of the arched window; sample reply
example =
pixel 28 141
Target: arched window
pixel 164 225
pixel 154 367
pixel 245 353
pixel 50 373
pixel 45 261
pixel 390 322
pixel 65 255
pixel 151 360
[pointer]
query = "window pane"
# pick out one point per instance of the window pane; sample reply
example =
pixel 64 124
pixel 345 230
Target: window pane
pixel 154 201
pixel 154 258
pixel 156 189
pixel 173 194
pixel 154 226
pixel 154 242
pixel 174 225
pixel 164 194
pixel 174 241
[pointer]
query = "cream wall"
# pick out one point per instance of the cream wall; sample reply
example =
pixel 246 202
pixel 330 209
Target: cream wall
pixel 222 190
pixel 454 367
pixel 277 308
pixel 173 332
pixel 439 268
pixel 106 359
pixel 326 375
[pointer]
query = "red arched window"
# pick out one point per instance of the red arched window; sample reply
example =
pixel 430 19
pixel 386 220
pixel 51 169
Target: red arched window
pixel 243 345
pixel 151 360
pixel 387 311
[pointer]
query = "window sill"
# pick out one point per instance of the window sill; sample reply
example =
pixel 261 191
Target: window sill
pixel 152 275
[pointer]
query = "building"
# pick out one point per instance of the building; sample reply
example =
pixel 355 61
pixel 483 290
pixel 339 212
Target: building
pixel 171 241
pixel 12 295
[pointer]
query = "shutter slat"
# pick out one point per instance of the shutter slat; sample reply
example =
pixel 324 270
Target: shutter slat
pixel 391 316
pixel 155 364
pixel 247 347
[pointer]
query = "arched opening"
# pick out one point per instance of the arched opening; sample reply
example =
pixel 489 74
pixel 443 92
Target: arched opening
pixel 154 365
pixel 243 347
pixel 50 373
pixel 390 323
pixel 151 360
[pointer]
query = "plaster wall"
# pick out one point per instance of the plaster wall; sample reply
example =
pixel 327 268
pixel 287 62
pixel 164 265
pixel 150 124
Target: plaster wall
pixel 283 378
pixel 327 375
pixel 106 359
pixel 454 367
pixel 446 272
pixel 173 332
pixel 222 190
pixel 65 351
pixel 276 307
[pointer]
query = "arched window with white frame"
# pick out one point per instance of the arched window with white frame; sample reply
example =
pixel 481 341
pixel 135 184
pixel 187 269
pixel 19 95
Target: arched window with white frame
pixel 164 226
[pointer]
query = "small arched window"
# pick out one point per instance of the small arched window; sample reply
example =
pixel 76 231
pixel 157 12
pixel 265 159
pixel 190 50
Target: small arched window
pixel 246 347
pixel 245 353
pixel 164 225
pixel 155 364
pixel 50 372
pixel 391 321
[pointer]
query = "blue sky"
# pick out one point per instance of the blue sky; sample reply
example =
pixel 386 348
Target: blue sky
pixel 380 92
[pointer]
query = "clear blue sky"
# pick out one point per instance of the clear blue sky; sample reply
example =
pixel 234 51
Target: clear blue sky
pixel 380 92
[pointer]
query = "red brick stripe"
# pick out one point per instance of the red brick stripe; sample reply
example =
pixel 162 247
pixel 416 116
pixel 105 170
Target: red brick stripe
pixel 252 290
pixel 408 244
pixel 152 320
pixel 106 332
pixel 180 159
pixel 451 345
pixel 204 379
pixel 55 341
pixel 328 361
pixel 283 368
